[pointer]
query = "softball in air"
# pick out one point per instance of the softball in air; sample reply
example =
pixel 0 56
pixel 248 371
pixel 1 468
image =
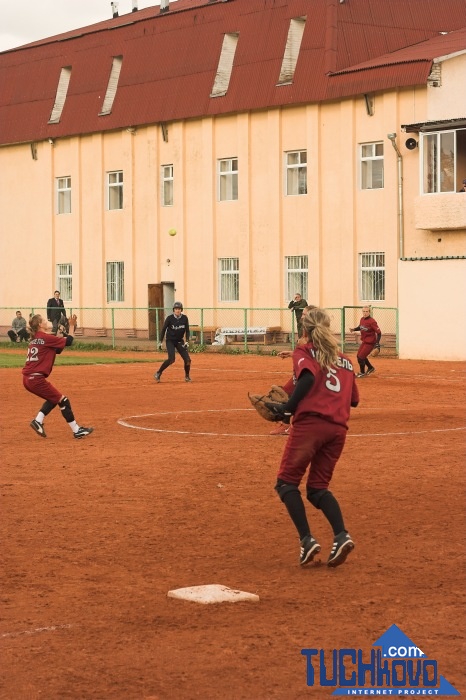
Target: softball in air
pixel 172 232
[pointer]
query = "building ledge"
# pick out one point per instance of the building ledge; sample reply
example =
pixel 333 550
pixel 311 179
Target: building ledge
pixel 440 212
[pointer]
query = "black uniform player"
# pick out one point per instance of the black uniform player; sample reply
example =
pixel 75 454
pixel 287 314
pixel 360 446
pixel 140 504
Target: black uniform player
pixel 176 332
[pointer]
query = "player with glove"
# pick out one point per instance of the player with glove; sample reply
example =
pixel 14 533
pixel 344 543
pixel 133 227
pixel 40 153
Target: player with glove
pixel 268 404
pixel 320 405
pixel 370 342
pixel 42 350
pixel 176 332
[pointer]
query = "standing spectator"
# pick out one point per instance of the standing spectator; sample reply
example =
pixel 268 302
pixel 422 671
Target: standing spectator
pixel 320 405
pixel 42 351
pixel 18 331
pixel 370 339
pixel 55 311
pixel 176 328
pixel 298 304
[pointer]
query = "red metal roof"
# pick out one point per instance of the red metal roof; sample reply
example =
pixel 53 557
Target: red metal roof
pixel 170 61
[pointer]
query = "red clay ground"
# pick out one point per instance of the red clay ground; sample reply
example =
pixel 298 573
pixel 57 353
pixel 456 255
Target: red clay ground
pixel 97 531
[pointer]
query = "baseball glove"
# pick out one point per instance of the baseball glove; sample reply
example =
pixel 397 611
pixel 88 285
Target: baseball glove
pixel 376 350
pixel 270 406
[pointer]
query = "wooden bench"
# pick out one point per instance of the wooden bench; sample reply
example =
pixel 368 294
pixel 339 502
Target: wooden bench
pixel 232 335
pixel 229 335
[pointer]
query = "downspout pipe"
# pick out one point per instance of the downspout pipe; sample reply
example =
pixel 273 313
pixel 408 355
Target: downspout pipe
pixel 399 159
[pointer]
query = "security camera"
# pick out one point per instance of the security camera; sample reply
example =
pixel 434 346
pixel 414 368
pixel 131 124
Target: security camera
pixel 411 144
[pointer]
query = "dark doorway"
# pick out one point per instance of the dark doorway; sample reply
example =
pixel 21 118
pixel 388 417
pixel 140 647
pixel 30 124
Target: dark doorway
pixel 155 301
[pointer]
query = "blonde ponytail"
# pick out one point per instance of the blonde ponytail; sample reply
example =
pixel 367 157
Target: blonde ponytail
pixel 316 324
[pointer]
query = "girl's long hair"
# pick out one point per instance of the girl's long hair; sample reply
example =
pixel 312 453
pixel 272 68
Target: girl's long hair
pixel 34 323
pixel 316 324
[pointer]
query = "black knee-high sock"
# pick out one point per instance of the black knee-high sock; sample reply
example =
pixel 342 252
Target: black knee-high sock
pixel 297 512
pixel 330 507
pixel 368 364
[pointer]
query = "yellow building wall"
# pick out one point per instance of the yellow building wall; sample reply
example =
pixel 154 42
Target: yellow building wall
pixel 332 224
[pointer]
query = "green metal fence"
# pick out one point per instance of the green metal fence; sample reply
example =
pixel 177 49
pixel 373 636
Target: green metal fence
pixel 242 327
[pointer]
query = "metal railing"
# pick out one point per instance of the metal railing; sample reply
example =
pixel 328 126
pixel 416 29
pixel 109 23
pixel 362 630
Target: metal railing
pixel 256 327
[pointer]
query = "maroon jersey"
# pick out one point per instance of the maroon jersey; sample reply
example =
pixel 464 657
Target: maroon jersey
pixel 369 330
pixel 333 391
pixel 42 351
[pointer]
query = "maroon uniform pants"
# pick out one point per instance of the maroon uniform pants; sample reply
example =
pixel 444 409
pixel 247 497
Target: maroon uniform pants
pixel 316 442
pixel 37 384
pixel 365 350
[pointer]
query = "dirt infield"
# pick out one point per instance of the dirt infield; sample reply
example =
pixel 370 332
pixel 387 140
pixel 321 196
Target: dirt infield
pixel 175 488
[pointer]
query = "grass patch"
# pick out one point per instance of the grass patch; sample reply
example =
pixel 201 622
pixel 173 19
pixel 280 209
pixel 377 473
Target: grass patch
pixel 16 361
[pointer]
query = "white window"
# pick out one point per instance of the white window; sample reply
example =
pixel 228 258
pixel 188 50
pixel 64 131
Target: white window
pixel 372 276
pixel 371 165
pixel 296 276
pixel 225 65
pixel 60 97
pixel 115 281
pixel 228 279
pixel 296 172
pixel 112 86
pixel 227 179
pixel 293 44
pixel 115 190
pixel 63 195
pixel 65 280
pixel 438 162
pixel 167 185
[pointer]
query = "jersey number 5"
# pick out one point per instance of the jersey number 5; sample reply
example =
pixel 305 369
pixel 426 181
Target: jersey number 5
pixel 332 383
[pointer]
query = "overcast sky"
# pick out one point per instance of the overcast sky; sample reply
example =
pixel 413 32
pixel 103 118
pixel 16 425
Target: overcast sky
pixel 22 21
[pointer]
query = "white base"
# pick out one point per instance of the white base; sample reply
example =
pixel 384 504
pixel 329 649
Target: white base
pixel 212 593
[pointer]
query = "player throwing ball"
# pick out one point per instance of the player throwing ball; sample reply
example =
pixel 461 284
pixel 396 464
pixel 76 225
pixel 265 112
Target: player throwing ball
pixel 176 329
pixel 42 350
pixel 325 388
pixel 370 339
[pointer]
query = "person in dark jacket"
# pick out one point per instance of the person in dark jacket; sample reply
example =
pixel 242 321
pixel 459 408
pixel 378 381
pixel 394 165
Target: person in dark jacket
pixel 56 313
pixel 298 304
pixel 176 332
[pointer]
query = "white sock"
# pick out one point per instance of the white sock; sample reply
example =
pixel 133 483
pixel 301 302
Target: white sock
pixel 74 426
pixel 40 417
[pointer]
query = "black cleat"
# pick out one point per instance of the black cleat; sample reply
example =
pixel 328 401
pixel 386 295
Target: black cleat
pixel 309 548
pixel 343 545
pixel 83 432
pixel 38 428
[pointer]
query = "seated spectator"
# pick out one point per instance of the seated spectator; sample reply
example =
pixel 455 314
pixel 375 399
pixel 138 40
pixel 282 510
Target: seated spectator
pixel 18 331
pixel 463 187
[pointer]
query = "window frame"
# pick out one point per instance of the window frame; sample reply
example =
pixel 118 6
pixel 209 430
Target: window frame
pixel 63 195
pixel 115 187
pixel 115 281
pixel 372 271
pixel 167 185
pixel 64 280
pixel 366 163
pixel 227 180
pixel 228 279
pixel 299 167
pixel 436 180
pixel 296 278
